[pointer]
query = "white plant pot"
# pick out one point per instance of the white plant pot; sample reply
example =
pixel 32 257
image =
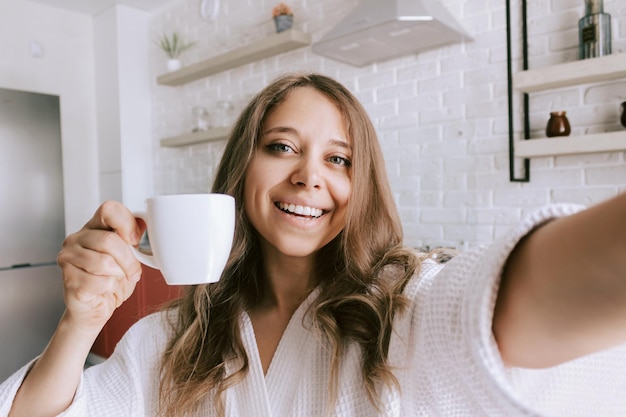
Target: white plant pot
pixel 174 64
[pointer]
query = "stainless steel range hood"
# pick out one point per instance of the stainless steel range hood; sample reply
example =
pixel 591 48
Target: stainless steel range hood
pixel 377 30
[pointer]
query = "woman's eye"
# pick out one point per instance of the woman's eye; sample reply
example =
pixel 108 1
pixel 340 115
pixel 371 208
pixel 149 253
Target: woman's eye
pixel 339 160
pixel 279 147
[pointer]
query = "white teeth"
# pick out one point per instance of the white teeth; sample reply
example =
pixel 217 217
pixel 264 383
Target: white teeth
pixel 301 210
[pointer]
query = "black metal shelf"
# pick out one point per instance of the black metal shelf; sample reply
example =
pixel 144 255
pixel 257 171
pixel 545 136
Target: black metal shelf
pixel 509 54
pixel 606 68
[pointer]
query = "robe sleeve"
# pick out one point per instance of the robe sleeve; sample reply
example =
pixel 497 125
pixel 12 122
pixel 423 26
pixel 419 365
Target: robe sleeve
pixel 452 361
pixel 126 384
pixel 8 389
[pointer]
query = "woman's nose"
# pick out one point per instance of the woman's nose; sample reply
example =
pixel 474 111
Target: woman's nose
pixel 307 174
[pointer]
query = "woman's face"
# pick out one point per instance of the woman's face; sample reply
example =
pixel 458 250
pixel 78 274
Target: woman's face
pixel 298 184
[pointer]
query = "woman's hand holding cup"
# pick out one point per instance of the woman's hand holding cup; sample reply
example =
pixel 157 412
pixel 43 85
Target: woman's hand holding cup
pixel 99 269
pixel 190 235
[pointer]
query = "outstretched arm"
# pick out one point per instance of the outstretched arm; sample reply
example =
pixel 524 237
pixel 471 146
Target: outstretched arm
pixel 99 273
pixel 563 290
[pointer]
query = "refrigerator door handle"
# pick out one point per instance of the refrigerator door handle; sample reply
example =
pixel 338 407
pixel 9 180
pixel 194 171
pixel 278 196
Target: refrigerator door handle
pixel 26 265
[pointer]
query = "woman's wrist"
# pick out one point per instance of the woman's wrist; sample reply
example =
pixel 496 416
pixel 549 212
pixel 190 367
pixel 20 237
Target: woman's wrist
pixel 79 330
pixel 50 385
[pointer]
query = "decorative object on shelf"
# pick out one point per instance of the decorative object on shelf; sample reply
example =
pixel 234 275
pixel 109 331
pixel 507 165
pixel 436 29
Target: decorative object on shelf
pixel 173 46
pixel 623 117
pixel 594 31
pixel 283 17
pixel 209 9
pixel 173 65
pixel 200 118
pixel 558 125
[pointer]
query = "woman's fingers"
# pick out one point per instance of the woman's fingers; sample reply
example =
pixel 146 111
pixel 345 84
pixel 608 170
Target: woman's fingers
pixel 112 215
pixel 100 252
pixel 99 269
pixel 90 299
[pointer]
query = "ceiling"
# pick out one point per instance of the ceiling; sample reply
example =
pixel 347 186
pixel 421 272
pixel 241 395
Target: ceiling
pixel 93 7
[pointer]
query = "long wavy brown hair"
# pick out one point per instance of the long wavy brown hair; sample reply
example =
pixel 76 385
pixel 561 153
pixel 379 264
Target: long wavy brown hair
pixel 356 302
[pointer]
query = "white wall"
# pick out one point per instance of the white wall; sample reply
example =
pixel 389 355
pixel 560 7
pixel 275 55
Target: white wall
pixel 95 64
pixel 66 70
pixel 123 105
pixel 441 115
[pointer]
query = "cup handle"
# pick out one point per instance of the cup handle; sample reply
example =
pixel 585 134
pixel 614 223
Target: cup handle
pixel 142 257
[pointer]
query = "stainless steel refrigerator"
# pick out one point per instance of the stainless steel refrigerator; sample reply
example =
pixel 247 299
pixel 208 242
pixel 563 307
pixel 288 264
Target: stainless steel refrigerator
pixel 32 226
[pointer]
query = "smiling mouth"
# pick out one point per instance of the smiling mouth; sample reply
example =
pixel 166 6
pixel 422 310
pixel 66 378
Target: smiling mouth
pixel 304 211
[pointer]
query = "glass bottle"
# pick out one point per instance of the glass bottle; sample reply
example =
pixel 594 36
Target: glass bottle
pixel 200 119
pixel 594 31
pixel 223 113
pixel 558 125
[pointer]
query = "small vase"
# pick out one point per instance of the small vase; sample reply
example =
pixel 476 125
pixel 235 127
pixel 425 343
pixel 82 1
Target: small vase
pixel 174 64
pixel 623 118
pixel 283 22
pixel 558 125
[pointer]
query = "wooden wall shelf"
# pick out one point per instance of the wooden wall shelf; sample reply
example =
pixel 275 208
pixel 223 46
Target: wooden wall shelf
pixel 570 145
pixel 606 68
pixel 211 135
pixel 272 45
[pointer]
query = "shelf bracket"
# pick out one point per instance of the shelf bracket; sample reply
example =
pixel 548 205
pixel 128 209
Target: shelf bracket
pixel 509 53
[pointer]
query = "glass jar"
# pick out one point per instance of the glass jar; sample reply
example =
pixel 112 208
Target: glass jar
pixel 200 117
pixel 223 113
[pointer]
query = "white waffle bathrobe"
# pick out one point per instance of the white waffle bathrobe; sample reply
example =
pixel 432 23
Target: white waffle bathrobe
pixel 442 351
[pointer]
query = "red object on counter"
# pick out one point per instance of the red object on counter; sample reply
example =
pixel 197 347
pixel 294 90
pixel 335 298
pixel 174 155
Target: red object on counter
pixel 149 295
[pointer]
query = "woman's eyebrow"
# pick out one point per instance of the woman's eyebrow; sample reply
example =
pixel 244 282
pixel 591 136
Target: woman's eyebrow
pixel 340 143
pixel 281 129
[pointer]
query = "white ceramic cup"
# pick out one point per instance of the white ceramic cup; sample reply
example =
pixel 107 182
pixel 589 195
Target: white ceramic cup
pixel 191 236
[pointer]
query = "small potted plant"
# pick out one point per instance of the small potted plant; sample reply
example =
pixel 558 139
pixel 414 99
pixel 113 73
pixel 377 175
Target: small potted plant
pixel 173 46
pixel 283 17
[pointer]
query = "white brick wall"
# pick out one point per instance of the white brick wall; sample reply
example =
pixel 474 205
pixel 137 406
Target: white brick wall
pixel 441 115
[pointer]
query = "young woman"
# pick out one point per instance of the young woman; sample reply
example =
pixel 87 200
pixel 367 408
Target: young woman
pixel 321 311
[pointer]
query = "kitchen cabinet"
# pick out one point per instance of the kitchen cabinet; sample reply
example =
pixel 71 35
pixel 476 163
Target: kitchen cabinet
pixel 607 68
pixel 264 48
pixel 149 295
